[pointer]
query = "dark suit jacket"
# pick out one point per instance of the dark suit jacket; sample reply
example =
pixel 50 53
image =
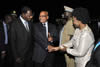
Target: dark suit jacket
pixel 2 37
pixel 95 58
pixel 41 41
pixel 20 40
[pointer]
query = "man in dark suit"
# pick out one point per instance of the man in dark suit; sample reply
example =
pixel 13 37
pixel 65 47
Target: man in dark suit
pixel 20 38
pixel 44 36
pixel 95 58
pixel 2 44
pixel 4 38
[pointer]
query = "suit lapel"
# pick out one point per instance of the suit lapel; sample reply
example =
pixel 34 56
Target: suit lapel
pixel 42 31
pixel 50 29
pixel 22 25
pixel 1 27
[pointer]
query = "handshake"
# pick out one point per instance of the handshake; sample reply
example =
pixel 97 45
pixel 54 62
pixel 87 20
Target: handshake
pixel 52 48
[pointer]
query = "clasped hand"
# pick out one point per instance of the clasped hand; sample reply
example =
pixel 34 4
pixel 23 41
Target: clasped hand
pixel 52 48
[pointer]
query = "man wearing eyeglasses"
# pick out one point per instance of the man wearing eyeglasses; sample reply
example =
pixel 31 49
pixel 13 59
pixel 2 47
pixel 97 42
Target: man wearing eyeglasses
pixel 44 35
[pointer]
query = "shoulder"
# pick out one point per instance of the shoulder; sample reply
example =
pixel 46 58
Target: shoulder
pixel 15 23
pixel 35 24
pixel 88 35
pixel 1 23
pixel 52 25
pixel 1 26
pixel 87 31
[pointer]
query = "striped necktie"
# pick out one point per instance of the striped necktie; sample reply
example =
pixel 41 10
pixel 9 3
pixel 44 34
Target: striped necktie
pixel 27 26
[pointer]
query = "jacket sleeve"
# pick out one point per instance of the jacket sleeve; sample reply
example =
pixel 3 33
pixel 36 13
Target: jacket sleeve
pixel 85 43
pixel 2 45
pixel 97 55
pixel 37 39
pixel 90 64
pixel 13 40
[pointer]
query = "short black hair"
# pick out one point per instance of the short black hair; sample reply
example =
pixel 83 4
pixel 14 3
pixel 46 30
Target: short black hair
pixel 82 15
pixel 25 9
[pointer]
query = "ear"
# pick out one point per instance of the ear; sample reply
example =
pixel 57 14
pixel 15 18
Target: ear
pixel 23 14
pixel 48 17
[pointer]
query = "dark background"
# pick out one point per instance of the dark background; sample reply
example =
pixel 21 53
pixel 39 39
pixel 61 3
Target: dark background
pixel 55 7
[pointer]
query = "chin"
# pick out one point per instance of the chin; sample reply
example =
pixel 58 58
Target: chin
pixel 42 21
pixel 75 26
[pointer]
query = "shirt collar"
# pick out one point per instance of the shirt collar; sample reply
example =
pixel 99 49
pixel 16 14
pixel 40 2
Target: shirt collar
pixel 22 19
pixel 4 23
pixel 46 23
pixel 87 28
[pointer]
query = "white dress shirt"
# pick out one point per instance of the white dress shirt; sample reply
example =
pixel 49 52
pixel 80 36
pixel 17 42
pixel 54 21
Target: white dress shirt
pixel 25 23
pixel 46 25
pixel 82 43
pixel 6 33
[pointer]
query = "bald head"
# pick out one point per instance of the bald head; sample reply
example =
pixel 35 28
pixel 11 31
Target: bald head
pixel 44 12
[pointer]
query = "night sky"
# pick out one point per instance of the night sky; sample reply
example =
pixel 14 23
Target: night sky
pixel 54 7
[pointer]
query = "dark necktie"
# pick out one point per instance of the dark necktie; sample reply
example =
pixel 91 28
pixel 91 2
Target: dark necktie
pixel 7 27
pixel 44 27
